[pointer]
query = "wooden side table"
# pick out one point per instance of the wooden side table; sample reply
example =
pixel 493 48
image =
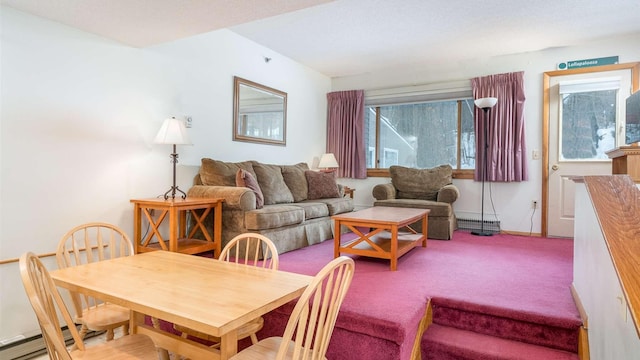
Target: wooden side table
pixel 179 240
pixel 349 191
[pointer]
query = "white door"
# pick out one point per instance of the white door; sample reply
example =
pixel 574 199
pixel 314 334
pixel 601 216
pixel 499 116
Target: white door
pixel 586 119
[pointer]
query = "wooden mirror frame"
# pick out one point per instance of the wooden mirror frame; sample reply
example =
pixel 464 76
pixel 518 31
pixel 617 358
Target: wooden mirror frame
pixel 275 102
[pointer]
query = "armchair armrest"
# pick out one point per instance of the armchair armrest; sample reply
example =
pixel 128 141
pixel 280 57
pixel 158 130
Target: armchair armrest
pixel 384 191
pixel 235 198
pixel 448 193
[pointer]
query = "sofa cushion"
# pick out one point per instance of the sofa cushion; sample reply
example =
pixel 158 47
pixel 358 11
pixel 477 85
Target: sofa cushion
pixel 272 184
pixel 313 210
pixel 420 183
pixel 337 205
pixel 321 185
pixel 245 179
pixel 220 173
pixel 273 216
pixel 438 209
pixel 296 181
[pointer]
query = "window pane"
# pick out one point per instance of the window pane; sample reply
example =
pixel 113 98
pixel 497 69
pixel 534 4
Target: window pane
pixel 370 136
pixel 419 135
pixel 467 136
pixel 588 125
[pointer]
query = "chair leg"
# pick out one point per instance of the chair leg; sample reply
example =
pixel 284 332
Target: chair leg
pixel 83 331
pixel 109 334
pixel 254 339
pixel 125 330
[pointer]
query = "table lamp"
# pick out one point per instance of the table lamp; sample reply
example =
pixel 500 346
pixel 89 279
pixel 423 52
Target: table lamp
pixel 174 132
pixel 328 163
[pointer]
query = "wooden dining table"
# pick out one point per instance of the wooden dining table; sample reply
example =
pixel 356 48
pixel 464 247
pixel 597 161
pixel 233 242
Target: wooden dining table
pixel 210 296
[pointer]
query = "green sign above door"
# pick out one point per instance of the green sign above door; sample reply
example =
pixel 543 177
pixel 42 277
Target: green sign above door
pixel 575 64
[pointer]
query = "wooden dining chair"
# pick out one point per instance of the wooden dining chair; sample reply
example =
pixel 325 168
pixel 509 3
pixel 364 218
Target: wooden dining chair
pixel 49 308
pixel 313 319
pixel 89 243
pixel 249 249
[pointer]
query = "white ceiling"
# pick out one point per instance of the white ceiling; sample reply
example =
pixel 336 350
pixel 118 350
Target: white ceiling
pixel 348 37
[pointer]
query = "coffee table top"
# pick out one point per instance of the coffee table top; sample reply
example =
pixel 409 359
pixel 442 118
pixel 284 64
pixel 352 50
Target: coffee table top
pixel 383 214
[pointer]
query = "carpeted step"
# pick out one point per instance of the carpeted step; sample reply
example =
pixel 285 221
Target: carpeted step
pixel 561 334
pixel 448 343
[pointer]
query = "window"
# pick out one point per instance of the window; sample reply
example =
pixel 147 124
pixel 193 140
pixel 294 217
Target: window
pixel 421 135
pixel 390 157
pixel 588 119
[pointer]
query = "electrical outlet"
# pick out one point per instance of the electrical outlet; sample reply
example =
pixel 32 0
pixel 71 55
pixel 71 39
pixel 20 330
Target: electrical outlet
pixel 534 203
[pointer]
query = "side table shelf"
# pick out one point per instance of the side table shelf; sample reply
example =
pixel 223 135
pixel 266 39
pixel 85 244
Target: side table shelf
pixel 176 210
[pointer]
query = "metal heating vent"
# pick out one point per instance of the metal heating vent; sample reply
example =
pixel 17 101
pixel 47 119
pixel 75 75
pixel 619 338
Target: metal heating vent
pixel 472 222
pixel 34 346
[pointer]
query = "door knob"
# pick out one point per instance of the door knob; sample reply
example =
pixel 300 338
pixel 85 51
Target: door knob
pixel 555 167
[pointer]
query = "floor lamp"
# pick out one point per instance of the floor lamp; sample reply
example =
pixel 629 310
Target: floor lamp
pixel 485 104
pixel 174 132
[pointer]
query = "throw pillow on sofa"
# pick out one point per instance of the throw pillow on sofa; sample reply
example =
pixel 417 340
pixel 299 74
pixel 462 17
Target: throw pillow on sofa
pixel 245 179
pixel 272 184
pixel 321 185
pixel 220 173
pixel 296 181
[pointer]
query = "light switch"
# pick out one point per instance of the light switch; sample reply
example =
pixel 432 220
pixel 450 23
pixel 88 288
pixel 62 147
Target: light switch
pixel 536 154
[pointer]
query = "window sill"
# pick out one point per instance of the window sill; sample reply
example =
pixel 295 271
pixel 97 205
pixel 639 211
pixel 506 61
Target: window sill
pixel 457 174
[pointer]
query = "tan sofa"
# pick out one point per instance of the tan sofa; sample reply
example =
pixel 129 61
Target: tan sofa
pixel 425 189
pixel 298 203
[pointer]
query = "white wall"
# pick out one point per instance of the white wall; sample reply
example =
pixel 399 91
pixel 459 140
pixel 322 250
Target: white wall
pixel 512 200
pixel 79 114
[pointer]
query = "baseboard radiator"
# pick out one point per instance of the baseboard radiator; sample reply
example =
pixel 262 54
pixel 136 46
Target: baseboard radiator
pixel 473 222
pixel 34 346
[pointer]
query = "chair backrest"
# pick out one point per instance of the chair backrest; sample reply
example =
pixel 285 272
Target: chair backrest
pixel 89 243
pixel 314 316
pixel 47 304
pixel 251 249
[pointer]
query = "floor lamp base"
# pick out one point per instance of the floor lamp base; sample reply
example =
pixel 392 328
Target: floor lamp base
pixel 481 233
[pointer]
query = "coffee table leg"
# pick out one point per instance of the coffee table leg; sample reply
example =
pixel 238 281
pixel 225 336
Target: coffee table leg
pixel 425 229
pixel 394 248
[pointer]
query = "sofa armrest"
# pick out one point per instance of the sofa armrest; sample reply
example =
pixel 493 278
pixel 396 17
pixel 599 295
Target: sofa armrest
pixel 235 198
pixel 384 191
pixel 448 193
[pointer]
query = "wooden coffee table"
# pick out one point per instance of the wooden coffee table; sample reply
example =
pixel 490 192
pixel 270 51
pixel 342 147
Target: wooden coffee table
pixel 383 237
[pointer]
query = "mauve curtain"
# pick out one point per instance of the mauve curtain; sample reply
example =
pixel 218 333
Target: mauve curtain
pixel 506 153
pixel 345 132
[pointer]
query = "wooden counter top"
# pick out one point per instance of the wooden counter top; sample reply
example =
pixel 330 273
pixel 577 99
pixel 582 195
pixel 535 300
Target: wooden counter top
pixel 616 201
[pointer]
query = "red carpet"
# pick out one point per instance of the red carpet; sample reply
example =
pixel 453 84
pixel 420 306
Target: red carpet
pixel 486 292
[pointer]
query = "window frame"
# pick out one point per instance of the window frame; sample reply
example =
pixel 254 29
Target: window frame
pixel 384 172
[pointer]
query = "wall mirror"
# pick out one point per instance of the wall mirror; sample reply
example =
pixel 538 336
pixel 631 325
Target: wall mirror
pixel 259 113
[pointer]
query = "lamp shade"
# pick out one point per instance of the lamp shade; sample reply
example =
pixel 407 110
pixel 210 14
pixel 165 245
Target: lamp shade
pixel 328 161
pixel 487 102
pixel 173 131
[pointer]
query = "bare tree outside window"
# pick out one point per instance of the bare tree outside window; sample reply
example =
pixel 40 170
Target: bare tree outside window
pixel 588 124
pixel 423 135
